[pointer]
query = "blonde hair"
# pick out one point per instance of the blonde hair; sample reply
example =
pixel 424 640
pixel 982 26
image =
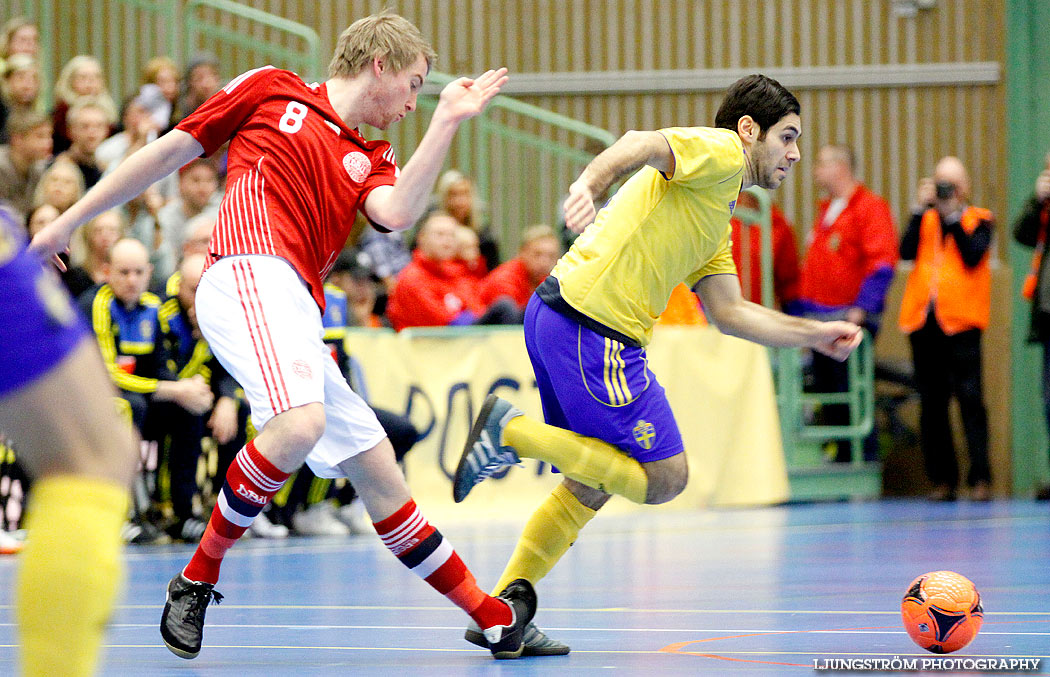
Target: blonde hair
pixel 78 244
pixel 64 85
pixel 444 186
pixel 538 232
pixel 385 36
pixel 154 66
pixel 8 31
pixel 58 164
pixel 87 103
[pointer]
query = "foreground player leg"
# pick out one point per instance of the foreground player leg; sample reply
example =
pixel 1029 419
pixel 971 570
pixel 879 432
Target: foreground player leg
pixel 548 534
pixel 83 458
pixel 256 474
pixel 420 547
pixel 502 434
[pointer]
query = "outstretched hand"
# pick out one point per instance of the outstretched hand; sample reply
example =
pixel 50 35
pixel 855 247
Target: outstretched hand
pixel 579 207
pixel 838 339
pixel 50 242
pixel 465 98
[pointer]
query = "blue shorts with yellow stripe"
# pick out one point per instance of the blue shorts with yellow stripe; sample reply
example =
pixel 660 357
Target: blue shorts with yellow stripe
pixel 39 326
pixel 598 387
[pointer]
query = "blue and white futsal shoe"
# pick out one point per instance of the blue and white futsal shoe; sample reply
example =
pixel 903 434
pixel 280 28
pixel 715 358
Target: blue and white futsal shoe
pixel 484 453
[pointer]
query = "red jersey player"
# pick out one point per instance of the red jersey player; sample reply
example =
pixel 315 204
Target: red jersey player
pixel 298 172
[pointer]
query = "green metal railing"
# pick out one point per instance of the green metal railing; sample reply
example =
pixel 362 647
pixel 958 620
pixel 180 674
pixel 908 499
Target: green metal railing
pixel 509 149
pixel 281 41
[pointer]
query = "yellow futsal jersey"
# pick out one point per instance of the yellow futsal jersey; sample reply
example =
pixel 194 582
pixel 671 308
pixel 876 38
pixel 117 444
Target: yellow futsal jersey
pixel 656 232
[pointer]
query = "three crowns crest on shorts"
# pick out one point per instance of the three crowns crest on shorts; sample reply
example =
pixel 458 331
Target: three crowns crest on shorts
pixel 644 434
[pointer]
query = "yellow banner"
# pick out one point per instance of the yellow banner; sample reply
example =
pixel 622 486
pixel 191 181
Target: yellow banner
pixel 720 389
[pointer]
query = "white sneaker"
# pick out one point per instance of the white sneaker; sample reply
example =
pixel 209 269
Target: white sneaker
pixel 319 520
pixel 356 517
pixel 262 527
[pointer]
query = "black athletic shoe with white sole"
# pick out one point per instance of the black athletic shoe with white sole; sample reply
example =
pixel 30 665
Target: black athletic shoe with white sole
pixel 507 641
pixel 182 623
pixel 537 643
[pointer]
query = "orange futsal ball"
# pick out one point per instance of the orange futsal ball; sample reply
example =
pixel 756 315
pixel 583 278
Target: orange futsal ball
pixel 942 611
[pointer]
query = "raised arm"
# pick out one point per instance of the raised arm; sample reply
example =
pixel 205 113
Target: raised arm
pixel 397 207
pixel 631 151
pixel 139 171
pixel 735 316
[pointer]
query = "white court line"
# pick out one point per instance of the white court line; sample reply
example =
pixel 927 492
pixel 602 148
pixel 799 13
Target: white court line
pixel 651 652
pixel 618 610
pixel 444 628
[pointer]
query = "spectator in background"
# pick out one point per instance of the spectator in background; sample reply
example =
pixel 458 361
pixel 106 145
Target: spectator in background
pixel 785 255
pixel 198 235
pixel 181 429
pixel 199 82
pixel 161 71
pixel 19 36
pixel 847 269
pixel 385 255
pixel 23 160
pixel 198 194
pixel 518 278
pixel 138 130
pixel 125 319
pixel 468 251
pixel 457 196
pixel 946 306
pixel 436 290
pixel 88 126
pixel 81 77
pixel 355 280
pixel 76 279
pixel 40 217
pixel 1031 231
pixel 61 185
pixel 19 90
pixel 91 245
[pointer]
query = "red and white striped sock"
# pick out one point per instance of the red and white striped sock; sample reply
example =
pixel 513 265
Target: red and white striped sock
pixel 250 483
pixel 423 549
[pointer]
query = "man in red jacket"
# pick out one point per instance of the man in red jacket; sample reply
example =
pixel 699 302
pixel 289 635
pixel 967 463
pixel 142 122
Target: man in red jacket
pixel 437 289
pixel 518 278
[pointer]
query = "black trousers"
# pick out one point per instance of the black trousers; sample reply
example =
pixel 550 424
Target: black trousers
pixel 947 366
pixel 178 434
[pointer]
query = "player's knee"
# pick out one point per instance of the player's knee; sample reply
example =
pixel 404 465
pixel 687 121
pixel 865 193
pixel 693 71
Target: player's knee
pixel 301 427
pixel 667 479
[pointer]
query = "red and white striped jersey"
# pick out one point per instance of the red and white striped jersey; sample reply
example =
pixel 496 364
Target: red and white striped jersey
pixel 296 174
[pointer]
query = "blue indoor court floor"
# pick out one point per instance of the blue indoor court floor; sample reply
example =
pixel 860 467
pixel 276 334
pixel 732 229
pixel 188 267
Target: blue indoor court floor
pixel 750 591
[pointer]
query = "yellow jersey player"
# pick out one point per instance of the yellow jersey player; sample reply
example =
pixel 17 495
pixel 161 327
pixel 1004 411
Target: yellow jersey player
pixel 54 407
pixel 609 427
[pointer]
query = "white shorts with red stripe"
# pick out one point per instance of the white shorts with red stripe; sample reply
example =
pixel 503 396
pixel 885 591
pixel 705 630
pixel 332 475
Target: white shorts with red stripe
pixel 261 322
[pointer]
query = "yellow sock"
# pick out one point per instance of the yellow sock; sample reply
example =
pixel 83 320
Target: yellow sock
pixel 547 536
pixel 587 460
pixel 70 573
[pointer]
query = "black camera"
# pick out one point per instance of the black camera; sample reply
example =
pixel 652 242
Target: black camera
pixel 945 190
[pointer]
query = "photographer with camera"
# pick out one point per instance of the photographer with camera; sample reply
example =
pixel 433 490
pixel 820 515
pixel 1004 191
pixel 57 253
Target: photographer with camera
pixel 946 305
pixel 1030 230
